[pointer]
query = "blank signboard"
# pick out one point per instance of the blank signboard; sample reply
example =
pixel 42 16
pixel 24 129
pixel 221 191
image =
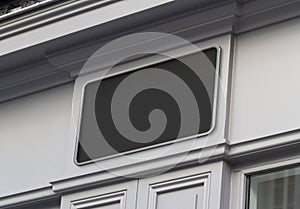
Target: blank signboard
pixel 148 106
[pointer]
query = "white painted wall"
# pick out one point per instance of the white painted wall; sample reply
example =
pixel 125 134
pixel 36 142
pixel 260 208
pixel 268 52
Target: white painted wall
pixel 266 82
pixel 33 132
pixel 37 139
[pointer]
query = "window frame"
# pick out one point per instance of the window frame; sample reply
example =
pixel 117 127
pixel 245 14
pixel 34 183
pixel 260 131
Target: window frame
pixel 240 179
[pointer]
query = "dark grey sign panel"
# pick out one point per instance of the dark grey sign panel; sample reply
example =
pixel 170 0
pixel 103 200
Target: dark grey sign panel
pixel 148 107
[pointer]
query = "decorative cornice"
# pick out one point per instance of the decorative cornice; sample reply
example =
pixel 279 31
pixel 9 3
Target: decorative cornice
pixel 58 61
pixel 260 150
pixel 45 13
pixel 14 200
pixel 11 6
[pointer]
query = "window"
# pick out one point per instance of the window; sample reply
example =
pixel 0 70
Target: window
pixel 276 190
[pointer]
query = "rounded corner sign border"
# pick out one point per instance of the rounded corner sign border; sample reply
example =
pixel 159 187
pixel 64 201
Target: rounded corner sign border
pixel 214 109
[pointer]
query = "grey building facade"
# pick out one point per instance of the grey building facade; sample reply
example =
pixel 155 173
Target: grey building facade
pixel 249 159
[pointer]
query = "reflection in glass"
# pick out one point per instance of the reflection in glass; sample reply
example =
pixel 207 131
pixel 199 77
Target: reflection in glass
pixel 277 190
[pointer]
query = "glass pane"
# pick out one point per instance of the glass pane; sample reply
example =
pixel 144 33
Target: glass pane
pixel 276 190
